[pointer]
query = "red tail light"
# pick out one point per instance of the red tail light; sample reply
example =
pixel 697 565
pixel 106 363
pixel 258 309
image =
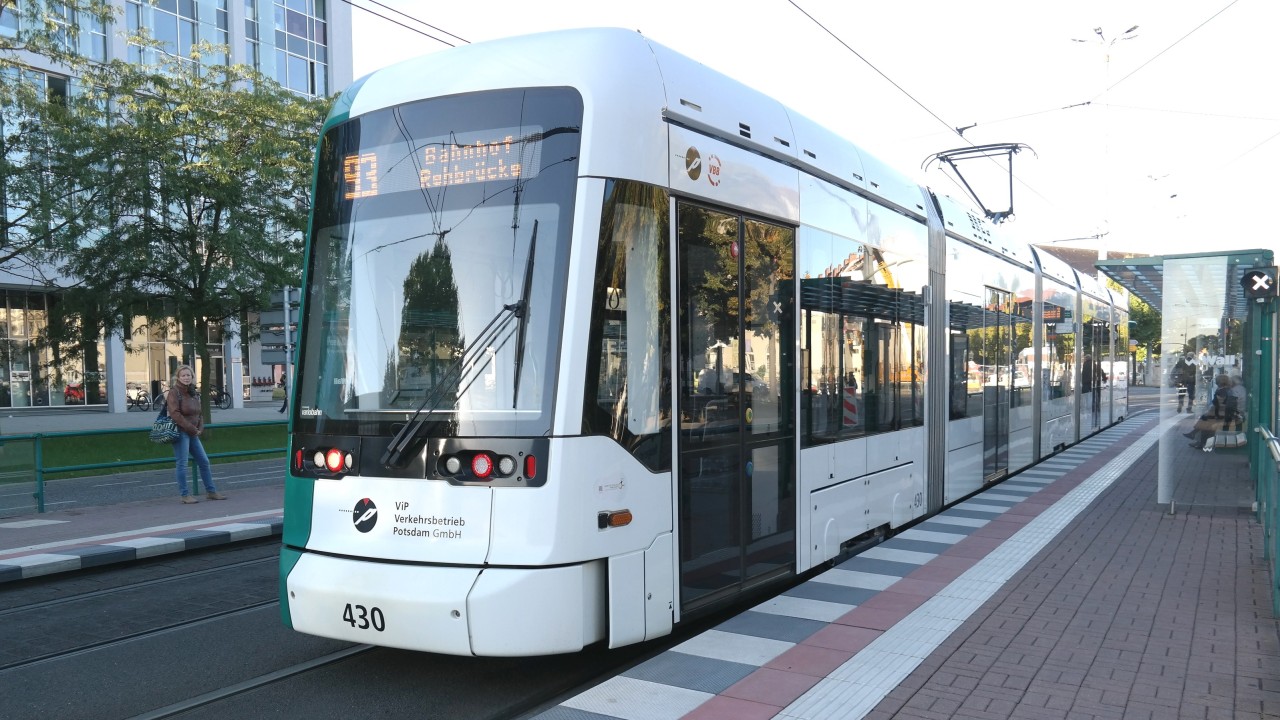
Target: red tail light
pixel 333 460
pixel 482 465
pixel 530 467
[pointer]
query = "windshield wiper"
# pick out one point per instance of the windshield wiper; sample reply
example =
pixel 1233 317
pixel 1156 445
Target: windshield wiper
pixel 406 439
pixel 523 315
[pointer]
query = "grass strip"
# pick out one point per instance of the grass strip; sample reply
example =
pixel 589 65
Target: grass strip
pixel 98 448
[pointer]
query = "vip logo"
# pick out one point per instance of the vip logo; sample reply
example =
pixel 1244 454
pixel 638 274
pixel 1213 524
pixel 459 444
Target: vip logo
pixel 693 163
pixel 365 515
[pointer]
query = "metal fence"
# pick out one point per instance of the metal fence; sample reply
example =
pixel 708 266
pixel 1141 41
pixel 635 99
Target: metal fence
pixel 24 468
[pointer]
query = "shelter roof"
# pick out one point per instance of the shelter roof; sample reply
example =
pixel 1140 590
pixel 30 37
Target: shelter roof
pixel 1146 278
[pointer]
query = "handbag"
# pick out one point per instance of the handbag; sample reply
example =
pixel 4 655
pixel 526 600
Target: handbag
pixel 164 430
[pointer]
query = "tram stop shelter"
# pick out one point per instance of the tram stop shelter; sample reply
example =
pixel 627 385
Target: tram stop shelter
pixel 1218 317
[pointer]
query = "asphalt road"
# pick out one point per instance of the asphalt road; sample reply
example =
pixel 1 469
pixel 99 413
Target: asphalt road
pixel 199 635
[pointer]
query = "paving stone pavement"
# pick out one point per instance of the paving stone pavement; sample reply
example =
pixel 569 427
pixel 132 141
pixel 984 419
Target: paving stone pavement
pixel 1131 613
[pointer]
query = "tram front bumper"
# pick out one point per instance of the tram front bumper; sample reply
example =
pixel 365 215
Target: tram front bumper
pixel 449 610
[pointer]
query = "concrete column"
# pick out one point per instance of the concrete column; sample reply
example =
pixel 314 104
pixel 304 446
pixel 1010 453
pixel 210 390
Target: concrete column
pixel 117 400
pixel 233 362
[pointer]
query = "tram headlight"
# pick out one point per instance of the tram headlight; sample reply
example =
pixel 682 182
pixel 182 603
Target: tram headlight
pixel 506 465
pixel 495 464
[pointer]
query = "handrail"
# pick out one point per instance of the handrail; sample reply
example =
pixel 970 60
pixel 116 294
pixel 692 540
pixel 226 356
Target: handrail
pixel 1273 443
pixel 41 470
pixel 1268 511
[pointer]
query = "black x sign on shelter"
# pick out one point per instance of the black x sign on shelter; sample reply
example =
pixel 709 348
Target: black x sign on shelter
pixel 1259 282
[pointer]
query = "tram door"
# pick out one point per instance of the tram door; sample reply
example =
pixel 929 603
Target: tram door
pixel 736 403
pixel 997 388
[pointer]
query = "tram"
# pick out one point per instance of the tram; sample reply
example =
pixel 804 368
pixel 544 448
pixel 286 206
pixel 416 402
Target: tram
pixel 596 340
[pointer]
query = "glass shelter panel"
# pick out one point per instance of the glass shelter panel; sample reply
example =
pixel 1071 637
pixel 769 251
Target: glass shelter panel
pixel 1205 367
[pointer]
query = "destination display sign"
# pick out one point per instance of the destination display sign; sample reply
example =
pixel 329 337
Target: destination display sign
pixel 504 154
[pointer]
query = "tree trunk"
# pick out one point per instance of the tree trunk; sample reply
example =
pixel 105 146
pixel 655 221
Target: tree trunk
pixel 200 335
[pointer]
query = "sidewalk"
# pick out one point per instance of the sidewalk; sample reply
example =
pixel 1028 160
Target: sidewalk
pixel 1064 592
pixel 90 535
pixel 42 544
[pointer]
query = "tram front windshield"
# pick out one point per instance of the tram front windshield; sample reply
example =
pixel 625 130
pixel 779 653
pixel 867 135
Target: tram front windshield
pixel 435 282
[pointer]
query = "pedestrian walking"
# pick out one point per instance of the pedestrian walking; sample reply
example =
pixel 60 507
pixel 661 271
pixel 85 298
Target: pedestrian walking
pixel 1184 378
pixel 184 407
pixel 1091 379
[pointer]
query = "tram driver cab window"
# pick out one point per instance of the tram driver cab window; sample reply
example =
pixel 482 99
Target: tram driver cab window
pixel 628 375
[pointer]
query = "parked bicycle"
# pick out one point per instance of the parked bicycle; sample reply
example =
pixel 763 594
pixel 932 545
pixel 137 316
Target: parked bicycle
pixel 140 400
pixel 220 398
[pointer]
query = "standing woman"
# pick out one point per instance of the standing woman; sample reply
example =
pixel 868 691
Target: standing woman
pixel 184 408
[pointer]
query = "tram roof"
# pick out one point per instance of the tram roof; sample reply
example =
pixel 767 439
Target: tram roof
pixel 1146 278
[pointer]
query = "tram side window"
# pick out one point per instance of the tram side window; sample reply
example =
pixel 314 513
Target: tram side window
pixel 862 341
pixel 966 380
pixel 862 376
pixel 628 374
pixel 834 377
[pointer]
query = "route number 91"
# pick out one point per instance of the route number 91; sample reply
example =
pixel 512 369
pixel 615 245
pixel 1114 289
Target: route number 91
pixel 360 617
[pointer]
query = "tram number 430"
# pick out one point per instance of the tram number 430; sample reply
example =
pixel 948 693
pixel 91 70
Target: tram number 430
pixel 358 616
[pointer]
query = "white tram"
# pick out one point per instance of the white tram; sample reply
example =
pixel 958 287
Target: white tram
pixel 596 339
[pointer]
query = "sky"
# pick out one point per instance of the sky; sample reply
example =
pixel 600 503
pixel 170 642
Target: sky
pixel 1162 139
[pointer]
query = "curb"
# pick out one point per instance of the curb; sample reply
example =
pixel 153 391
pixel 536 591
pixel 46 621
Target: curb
pixel 136 548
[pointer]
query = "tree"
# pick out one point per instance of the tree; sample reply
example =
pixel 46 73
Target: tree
pixel 43 197
pixel 48 28
pixel 1144 326
pixel 203 201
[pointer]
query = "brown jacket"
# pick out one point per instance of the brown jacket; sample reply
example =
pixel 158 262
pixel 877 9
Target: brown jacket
pixel 184 408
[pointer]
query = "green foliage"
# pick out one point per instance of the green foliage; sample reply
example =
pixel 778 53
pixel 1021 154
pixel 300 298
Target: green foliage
pixel 1144 326
pixel 45 199
pixel 50 28
pixel 208 189
pixel 201 178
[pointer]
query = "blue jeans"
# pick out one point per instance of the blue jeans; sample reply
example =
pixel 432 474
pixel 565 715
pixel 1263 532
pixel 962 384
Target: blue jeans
pixel 191 444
